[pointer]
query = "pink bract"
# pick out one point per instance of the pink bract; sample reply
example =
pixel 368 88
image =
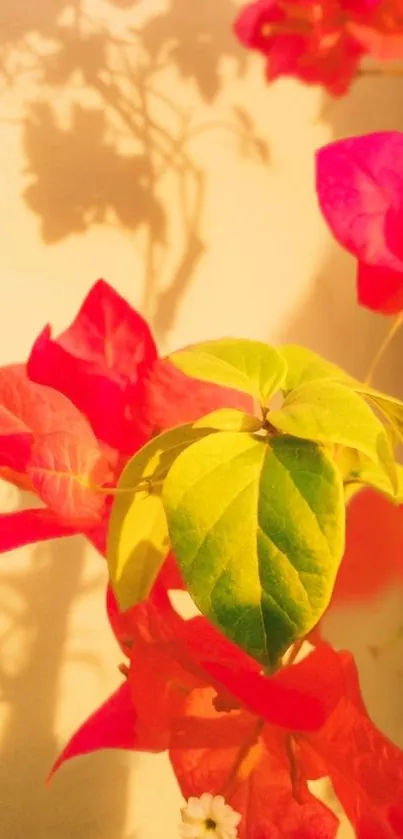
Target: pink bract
pixel 360 190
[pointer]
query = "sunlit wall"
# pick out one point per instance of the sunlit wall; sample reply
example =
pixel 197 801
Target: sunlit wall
pixel 140 144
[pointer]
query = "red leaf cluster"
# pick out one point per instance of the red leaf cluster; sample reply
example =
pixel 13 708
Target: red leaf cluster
pixel 69 419
pixel 83 403
pixel 373 557
pixel 321 41
pixel 256 740
pixel 44 441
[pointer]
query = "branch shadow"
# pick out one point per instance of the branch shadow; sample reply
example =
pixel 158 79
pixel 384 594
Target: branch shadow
pixel 19 19
pixel 195 36
pixel 81 800
pixel 77 178
pixel 104 141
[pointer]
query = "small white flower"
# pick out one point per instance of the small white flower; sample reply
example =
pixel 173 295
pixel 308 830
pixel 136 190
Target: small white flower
pixel 209 817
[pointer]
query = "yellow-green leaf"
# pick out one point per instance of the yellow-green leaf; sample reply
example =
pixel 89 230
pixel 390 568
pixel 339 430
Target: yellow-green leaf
pixel 304 365
pixel 326 412
pixel 229 419
pixel 390 407
pixel 239 363
pixel 257 527
pixel 359 471
pixel 138 539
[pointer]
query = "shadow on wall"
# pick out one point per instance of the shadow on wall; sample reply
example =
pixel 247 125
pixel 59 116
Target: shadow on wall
pixel 105 143
pixel 330 320
pixel 81 800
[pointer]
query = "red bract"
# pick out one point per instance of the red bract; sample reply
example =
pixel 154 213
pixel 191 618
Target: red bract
pixel 365 768
pixel 310 40
pixel 171 398
pixel 256 740
pixel 373 558
pixel 107 364
pixel 99 362
pixel 38 453
pixel 64 470
pixel 90 398
pixel 254 766
pixel 321 42
pixel 28 410
pixel 382 33
pixel 360 190
pixel 27 526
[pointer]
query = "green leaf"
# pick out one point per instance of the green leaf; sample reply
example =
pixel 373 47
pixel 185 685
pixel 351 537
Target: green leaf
pixel 138 539
pixel 229 419
pixel 238 363
pixel 358 471
pixel 390 407
pixel 257 526
pixel 307 366
pixel 328 412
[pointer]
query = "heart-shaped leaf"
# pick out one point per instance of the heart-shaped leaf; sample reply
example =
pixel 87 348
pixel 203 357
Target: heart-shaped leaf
pixel 304 365
pixel 257 526
pixel 329 412
pixel 229 419
pixel 238 363
pixel 359 471
pixel 138 539
pixel 389 407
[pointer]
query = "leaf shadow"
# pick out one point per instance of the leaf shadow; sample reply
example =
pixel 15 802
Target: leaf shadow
pixel 81 800
pixel 195 36
pixel 78 179
pixel 107 143
pixel 20 19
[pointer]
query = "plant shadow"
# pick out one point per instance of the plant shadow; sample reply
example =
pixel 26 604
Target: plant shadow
pixel 107 143
pixel 195 36
pixel 81 800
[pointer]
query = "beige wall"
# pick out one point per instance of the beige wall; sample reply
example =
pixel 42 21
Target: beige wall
pixel 216 231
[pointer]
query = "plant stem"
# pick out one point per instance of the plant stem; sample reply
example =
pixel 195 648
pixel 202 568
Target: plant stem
pixel 244 753
pixel 297 780
pixel 147 486
pixel 384 346
pixel 384 70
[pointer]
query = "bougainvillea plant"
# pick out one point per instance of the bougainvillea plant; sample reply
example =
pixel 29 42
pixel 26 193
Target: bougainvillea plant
pixel 322 41
pixel 186 473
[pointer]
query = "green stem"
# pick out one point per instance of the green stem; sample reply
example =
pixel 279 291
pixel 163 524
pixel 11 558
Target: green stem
pixel 384 346
pixel 146 486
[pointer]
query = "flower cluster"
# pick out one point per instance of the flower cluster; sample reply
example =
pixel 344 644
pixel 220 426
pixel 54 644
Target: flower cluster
pixel 255 740
pixel 321 41
pixel 245 743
